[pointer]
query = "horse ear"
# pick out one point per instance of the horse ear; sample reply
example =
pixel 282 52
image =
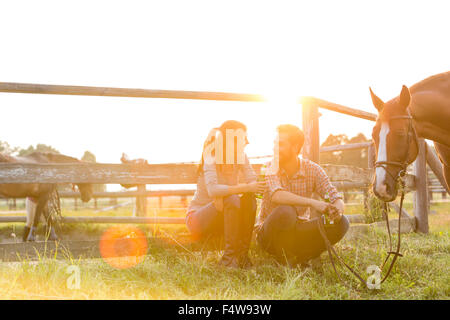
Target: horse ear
pixel 405 97
pixel 377 102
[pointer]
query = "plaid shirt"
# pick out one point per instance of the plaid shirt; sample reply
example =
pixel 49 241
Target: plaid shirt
pixel 308 179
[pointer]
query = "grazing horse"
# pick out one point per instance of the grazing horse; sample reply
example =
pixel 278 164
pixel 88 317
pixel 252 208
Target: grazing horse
pixel 39 193
pixel 126 160
pixel 422 111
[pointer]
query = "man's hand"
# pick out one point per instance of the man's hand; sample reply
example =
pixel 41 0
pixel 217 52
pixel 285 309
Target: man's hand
pixel 319 205
pixel 334 211
pixel 336 214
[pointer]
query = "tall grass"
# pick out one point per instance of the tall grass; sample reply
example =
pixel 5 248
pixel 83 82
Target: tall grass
pixel 176 272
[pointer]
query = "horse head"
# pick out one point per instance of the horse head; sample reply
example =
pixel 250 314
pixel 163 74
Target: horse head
pixel 395 141
pixel 125 159
pixel 86 191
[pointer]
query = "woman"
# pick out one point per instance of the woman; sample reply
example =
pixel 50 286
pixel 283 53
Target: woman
pixel 222 205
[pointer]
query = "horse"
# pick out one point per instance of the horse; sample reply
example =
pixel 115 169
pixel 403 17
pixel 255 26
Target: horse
pixel 126 160
pixel 39 194
pixel 421 111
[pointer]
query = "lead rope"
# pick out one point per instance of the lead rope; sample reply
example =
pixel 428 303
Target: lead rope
pixel 395 253
pixel 331 251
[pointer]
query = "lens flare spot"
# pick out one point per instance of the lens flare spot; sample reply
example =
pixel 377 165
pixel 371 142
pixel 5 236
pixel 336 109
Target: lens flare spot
pixel 123 247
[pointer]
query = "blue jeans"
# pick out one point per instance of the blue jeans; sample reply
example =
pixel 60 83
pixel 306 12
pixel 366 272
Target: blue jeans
pixel 209 222
pixel 287 237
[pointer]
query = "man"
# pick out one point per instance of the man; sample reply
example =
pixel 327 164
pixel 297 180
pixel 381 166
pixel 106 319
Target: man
pixel 286 227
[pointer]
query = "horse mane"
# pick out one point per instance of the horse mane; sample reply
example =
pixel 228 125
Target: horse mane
pixel 427 83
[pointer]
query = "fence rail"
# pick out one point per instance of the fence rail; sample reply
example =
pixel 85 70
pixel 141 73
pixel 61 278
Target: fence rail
pixel 344 147
pixel 144 174
pixel 14 87
pixel 131 194
pixel 312 101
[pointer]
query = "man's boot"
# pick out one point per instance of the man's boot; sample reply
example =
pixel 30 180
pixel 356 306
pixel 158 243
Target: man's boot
pixel 231 224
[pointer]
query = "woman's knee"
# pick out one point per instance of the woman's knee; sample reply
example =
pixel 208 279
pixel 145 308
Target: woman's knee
pixel 248 201
pixel 197 231
pixel 232 202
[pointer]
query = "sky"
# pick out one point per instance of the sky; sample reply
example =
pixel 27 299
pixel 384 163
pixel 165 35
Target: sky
pixel 333 50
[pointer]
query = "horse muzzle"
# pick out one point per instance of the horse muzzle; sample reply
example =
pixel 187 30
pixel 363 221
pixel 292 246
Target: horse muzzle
pixel 385 191
pixel 86 198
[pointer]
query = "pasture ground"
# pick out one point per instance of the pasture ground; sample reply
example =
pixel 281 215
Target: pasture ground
pixel 173 271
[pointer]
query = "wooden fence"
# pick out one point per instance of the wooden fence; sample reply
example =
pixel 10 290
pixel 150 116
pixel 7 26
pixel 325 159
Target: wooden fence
pixel 342 176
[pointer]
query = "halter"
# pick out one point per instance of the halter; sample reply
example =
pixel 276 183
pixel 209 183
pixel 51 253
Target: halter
pixel 403 165
pixel 399 178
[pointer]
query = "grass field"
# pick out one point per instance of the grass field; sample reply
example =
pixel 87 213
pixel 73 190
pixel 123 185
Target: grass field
pixel 175 272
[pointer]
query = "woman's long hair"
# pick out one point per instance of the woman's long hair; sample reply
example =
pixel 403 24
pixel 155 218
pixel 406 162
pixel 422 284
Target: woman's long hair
pixel 211 141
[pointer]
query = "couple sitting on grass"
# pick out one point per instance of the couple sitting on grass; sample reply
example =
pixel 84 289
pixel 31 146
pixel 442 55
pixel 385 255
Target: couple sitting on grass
pixel 287 224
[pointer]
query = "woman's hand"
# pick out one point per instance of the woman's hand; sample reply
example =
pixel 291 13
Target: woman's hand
pixel 257 187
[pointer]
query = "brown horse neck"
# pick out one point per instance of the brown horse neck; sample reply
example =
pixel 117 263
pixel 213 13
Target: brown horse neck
pixel 431 132
pixel 431 112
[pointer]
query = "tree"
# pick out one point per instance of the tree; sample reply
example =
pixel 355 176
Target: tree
pixel 6 148
pixel 356 157
pixel 336 156
pixel 40 147
pixel 89 157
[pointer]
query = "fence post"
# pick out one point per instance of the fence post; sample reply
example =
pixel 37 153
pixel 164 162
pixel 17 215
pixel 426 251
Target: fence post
pixel 184 201
pixel 311 147
pixel 310 117
pixel 421 207
pixel 371 156
pixel 371 165
pixel 141 202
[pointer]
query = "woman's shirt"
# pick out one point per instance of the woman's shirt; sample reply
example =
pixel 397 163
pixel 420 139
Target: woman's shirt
pixel 212 183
